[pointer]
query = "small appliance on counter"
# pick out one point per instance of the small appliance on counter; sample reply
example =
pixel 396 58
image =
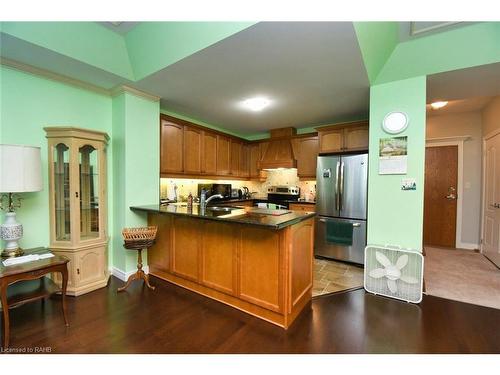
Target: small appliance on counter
pixel 236 194
pixel 341 202
pixel 212 189
pixel 281 195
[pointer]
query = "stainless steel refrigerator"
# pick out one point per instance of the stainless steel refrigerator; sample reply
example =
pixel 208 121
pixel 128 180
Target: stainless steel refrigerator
pixel 341 200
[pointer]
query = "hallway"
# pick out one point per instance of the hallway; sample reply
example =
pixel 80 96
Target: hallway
pixel 462 275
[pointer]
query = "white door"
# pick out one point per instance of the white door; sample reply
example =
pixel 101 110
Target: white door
pixel 491 221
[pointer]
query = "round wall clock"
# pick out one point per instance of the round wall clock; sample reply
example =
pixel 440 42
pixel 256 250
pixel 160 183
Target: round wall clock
pixel 395 122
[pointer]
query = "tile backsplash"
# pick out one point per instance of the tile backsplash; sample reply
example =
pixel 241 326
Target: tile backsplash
pixel 276 177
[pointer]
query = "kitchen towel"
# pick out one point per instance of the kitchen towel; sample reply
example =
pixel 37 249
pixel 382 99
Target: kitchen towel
pixel 339 232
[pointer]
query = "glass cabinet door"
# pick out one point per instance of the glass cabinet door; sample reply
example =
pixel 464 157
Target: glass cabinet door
pixel 62 192
pixel 89 192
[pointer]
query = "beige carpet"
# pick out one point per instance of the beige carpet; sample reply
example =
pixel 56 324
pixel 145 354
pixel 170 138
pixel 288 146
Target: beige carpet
pixel 332 276
pixel 462 275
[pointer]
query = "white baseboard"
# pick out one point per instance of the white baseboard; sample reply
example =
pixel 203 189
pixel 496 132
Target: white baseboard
pixel 468 246
pixel 123 276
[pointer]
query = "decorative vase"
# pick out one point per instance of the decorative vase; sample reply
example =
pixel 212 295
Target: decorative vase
pixel 11 231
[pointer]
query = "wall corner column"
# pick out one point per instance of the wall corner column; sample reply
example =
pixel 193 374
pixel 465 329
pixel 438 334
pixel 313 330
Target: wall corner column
pixel 395 216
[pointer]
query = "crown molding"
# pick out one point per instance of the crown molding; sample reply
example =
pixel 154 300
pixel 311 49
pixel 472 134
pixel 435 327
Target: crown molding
pixel 30 69
pixel 26 68
pixel 124 88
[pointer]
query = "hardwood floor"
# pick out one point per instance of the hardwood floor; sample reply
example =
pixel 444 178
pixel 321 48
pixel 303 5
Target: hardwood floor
pixel 173 320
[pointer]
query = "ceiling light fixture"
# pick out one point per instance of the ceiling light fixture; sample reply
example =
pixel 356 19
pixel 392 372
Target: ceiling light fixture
pixel 256 104
pixel 437 105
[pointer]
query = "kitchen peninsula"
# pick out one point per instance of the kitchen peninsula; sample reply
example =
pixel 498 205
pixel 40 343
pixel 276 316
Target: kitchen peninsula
pixel 257 261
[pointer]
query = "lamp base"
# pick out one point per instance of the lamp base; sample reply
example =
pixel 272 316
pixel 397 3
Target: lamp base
pixel 11 253
pixel 11 231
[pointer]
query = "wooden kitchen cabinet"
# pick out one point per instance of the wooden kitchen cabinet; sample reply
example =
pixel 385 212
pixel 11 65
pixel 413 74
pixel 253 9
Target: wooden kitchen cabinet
pixel 192 149
pixel 254 160
pixel 172 147
pixel 235 157
pixel 331 140
pixel 186 247
pixel 219 257
pixel 260 272
pixel 223 155
pixel 209 154
pixel 306 207
pixel 356 137
pixel 306 151
pixel 343 137
pixel 245 161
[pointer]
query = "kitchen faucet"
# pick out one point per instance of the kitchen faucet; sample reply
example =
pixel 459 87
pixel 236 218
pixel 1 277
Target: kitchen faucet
pixel 204 202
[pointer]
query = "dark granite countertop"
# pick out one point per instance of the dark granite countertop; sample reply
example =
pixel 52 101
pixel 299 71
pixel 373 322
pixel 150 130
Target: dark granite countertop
pixel 241 215
pixel 260 199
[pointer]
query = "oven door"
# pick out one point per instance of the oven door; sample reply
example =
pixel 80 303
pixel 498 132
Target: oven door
pixel 340 239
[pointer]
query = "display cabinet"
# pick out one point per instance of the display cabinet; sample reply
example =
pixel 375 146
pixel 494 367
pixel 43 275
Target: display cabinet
pixel 77 205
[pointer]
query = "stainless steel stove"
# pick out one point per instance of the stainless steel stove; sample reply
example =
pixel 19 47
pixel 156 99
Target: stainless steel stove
pixel 282 195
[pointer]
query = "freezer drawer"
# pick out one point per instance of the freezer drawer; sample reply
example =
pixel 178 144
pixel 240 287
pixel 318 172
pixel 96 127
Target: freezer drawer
pixel 340 239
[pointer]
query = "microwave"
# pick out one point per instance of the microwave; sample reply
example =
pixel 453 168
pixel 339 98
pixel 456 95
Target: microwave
pixel 212 189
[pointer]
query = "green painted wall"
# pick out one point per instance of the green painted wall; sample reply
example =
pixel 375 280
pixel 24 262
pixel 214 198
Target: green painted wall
pixel 396 216
pixel 30 103
pixel 462 47
pixel 136 141
pixel 377 41
pixel 165 43
pixel 88 42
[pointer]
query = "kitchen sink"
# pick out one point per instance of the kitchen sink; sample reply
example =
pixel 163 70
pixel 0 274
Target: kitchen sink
pixel 223 208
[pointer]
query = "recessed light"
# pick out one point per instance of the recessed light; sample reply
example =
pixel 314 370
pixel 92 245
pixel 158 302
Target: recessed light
pixel 437 105
pixel 256 104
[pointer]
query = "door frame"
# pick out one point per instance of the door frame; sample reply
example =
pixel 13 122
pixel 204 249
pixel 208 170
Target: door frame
pixel 459 142
pixel 483 183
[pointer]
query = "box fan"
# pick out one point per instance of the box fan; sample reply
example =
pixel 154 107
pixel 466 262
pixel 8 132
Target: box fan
pixel 394 272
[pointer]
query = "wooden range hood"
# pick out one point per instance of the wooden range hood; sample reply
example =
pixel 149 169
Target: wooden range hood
pixel 279 152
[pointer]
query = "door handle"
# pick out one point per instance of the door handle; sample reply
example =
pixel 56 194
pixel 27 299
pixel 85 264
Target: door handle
pixel 495 205
pixel 337 192
pixel 451 196
pixel 341 195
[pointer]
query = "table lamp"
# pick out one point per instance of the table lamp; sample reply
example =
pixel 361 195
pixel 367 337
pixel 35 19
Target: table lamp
pixel 20 172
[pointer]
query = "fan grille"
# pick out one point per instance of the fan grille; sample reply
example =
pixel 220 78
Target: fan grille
pixel 414 268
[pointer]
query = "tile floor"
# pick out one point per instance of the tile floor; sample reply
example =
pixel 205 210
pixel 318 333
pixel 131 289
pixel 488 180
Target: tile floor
pixel 332 276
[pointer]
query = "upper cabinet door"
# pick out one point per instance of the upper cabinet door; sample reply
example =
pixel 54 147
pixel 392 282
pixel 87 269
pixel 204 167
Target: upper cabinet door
pixel 254 150
pixel 235 157
pixel 209 154
pixel 192 149
pixel 331 140
pixel 245 161
pixel 223 155
pixel 171 150
pixel 356 137
pixel 306 150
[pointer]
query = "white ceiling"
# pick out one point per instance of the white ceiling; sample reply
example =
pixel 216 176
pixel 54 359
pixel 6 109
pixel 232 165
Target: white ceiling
pixel 459 106
pixel 312 71
pixel 479 81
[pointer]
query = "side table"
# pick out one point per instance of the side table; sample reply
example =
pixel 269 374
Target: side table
pixel 27 282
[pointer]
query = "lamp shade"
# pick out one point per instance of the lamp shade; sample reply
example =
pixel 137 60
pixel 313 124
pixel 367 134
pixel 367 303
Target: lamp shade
pixel 20 169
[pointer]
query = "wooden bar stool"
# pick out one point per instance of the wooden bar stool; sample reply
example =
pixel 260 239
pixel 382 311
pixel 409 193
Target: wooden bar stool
pixel 138 239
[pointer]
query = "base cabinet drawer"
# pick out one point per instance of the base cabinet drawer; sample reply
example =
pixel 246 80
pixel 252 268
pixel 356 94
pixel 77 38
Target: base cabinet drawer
pixel 302 207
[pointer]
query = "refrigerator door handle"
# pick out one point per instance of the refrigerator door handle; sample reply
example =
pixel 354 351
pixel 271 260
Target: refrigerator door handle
pixel 341 184
pixel 337 192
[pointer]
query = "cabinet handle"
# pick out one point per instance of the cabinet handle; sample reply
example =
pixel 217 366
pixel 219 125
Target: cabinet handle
pixel 356 225
pixel 76 194
pixel 322 220
pixel 78 271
